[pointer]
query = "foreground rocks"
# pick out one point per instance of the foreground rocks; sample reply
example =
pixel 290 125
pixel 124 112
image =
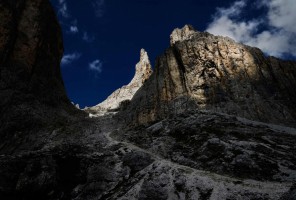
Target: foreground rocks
pixel 220 143
pixel 183 157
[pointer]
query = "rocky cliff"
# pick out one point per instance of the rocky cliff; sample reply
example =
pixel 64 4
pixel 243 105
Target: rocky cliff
pixel 126 93
pixel 207 72
pixel 31 87
pixel 188 150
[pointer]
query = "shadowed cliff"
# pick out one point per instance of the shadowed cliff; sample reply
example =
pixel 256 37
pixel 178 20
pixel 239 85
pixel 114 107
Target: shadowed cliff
pixel 31 87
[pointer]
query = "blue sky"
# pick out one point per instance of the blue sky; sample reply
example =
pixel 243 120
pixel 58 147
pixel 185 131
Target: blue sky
pixel 103 38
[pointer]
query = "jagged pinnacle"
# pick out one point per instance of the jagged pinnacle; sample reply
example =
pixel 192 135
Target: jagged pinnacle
pixel 182 34
pixel 143 72
pixel 143 68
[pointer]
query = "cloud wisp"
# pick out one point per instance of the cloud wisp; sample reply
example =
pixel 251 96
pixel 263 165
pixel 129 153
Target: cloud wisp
pixel 74 29
pixel 67 20
pixel 87 37
pixel 69 58
pixel 98 6
pixel 278 39
pixel 63 9
pixel 96 66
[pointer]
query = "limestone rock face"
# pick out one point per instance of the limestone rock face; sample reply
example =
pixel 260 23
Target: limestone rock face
pixel 187 154
pixel 210 72
pixel 143 72
pixel 31 48
pixel 182 34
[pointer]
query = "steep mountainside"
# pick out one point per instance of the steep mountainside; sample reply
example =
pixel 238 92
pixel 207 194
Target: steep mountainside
pixel 215 73
pixel 125 93
pixel 174 140
pixel 31 87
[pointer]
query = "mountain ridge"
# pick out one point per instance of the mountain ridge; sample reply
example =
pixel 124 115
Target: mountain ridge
pixel 214 72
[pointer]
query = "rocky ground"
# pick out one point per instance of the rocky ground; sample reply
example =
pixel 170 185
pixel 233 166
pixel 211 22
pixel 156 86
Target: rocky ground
pixel 190 156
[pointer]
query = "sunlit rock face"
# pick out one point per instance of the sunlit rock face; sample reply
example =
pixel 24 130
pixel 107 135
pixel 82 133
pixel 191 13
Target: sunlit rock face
pixel 210 72
pixel 125 93
pixel 182 34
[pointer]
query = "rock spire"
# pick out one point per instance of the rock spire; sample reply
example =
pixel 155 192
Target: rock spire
pixel 143 72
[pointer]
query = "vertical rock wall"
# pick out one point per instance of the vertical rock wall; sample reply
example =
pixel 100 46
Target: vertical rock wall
pixel 203 71
pixel 31 48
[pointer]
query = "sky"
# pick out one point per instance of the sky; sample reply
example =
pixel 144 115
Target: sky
pixel 103 38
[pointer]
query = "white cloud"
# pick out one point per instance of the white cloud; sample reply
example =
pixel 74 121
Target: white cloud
pixel 69 58
pixel 96 66
pixel 87 38
pixel 234 10
pixel 282 14
pixel 278 39
pixel 63 9
pixel 98 6
pixel 240 31
pixel 74 29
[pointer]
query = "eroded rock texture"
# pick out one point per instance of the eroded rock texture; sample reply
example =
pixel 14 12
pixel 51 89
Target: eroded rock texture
pixel 126 93
pixel 210 72
pixel 47 152
pixel 31 47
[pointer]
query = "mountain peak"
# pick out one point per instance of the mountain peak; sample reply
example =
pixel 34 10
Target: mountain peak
pixel 142 73
pixel 144 55
pixel 143 69
pixel 184 33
